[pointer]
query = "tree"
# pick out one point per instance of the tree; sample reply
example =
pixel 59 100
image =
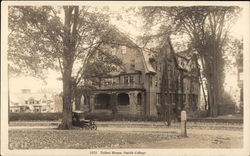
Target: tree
pixel 207 29
pixel 62 38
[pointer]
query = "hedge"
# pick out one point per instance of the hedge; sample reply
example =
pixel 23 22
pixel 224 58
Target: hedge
pixel 35 116
pixel 100 116
pixel 104 116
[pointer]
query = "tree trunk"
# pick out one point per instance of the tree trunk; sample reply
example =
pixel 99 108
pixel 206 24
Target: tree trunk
pixel 213 77
pixel 69 49
pixel 165 97
pixel 213 94
pixel 67 101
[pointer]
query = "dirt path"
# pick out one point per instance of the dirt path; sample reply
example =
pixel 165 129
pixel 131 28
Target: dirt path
pixel 196 139
pixel 193 141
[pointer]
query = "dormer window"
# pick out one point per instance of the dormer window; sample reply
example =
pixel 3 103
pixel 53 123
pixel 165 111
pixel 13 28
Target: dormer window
pixel 132 67
pixel 124 50
pixel 113 50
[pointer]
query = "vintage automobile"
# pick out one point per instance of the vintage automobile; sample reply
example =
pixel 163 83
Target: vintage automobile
pixel 79 121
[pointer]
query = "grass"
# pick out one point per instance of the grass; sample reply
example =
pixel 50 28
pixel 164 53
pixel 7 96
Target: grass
pixel 78 139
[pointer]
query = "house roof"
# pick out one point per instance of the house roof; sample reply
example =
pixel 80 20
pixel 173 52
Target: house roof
pixel 145 54
pixel 121 38
pixel 21 97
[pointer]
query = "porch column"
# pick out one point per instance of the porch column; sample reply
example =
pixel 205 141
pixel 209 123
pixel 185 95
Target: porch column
pixel 132 102
pixel 143 102
pixel 92 102
pixel 114 102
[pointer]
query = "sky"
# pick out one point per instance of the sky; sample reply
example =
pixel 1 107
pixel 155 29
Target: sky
pixel 134 29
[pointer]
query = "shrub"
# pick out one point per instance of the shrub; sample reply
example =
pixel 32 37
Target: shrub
pixel 226 109
pixel 197 114
pixel 129 117
pixel 228 105
pixel 100 116
pixel 34 116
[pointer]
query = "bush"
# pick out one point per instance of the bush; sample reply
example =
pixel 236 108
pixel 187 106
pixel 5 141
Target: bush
pixel 228 105
pixel 226 109
pixel 128 117
pixel 197 114
pixel 100 116
pixel 34 116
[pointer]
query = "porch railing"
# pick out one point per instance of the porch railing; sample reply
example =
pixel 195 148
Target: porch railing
pixel 121 86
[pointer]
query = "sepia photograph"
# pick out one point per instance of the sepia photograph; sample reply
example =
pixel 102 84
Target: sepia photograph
pixel 125 78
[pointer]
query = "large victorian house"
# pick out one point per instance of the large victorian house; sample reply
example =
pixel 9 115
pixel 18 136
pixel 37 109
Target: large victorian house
pixel 137 88
pixel 27 101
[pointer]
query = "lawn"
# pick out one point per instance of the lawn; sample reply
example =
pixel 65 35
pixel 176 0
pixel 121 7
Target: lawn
pixel 79 139
pixel 114 134
pixel 131 124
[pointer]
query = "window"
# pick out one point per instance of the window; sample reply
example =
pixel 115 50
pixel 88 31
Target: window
pixel 132 67
pixel 32 101
pixel 123 49
pixel 184 97
pixel 158 100
pixel 156 83
pixel 113 50
pixel 170 98
pixel 150 81
pixel 126 80
pixel 139 99
pixel 131 80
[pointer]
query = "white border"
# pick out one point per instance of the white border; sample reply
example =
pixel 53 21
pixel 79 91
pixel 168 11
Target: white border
pixel 172 152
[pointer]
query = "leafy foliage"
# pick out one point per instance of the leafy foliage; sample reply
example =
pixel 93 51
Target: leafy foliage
pixel 62 38
pixel 207 29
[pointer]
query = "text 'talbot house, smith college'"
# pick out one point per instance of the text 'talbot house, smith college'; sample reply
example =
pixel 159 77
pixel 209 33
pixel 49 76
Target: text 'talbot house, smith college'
pixel 136 88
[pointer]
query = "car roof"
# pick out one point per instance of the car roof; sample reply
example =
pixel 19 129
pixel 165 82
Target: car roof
pixel 77 111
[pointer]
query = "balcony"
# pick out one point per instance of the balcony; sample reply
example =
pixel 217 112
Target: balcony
pixel 120 86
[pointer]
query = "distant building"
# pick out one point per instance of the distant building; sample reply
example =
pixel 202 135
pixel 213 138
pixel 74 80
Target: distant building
pixel 26 101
